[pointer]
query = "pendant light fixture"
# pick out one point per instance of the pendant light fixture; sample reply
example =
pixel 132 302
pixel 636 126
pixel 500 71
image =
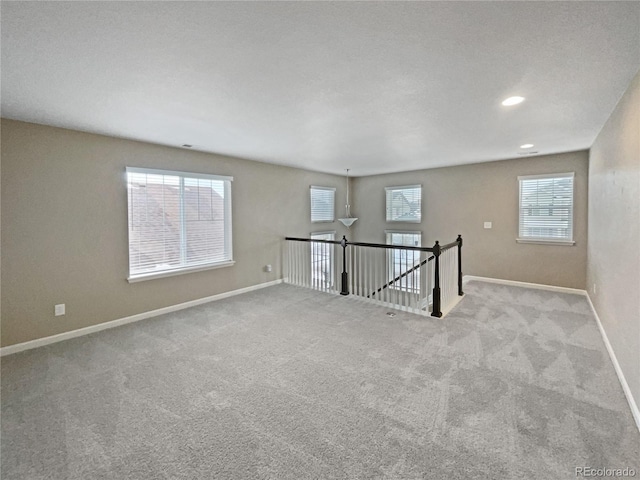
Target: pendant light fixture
pixel 348 220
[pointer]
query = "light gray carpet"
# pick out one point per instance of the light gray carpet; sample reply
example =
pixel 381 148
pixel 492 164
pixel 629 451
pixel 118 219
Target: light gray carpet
pixel 288 383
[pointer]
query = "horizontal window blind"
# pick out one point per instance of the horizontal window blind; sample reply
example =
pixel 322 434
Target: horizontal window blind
pixel 177 220
pixel 404 204
pixel 322 204
pixel 546 207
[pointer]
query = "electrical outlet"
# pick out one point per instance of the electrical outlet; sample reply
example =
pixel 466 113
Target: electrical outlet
pixel 488 224
pixel 267 268
pixel 60 309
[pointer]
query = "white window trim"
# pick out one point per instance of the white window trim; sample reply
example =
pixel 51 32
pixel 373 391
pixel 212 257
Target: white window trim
pixel 547 175
pixel 401 187
pixel 179 271
pixel 403 232
pixel 140 277
pixel 333 213
pixel 544 240
pixel 156 171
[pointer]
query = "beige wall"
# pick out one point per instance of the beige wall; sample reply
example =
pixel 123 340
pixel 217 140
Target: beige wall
pixel 613 277
pixel 64 227
pixel 458 200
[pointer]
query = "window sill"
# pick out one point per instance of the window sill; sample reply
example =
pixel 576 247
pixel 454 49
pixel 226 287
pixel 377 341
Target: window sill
pixel 542 241
pixel 178 271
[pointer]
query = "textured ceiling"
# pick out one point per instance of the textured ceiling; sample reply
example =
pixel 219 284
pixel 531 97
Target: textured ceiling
pixel 373 86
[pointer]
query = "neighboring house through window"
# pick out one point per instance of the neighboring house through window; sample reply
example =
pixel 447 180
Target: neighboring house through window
pixel 401 261
pixel 546 208
pixel 322 204
pixel 178 222
pixel 404 204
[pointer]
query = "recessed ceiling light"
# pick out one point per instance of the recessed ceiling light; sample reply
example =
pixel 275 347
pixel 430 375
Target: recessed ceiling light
pixel 512 101
pixel 527 145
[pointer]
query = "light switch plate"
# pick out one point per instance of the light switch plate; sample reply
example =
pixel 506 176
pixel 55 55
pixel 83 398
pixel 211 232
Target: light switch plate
pixel 60 309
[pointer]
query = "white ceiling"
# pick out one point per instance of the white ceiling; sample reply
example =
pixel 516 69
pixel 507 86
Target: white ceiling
pixel 373 86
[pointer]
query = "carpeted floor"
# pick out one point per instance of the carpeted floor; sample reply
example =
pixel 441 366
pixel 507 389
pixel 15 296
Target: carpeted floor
pixel 288 383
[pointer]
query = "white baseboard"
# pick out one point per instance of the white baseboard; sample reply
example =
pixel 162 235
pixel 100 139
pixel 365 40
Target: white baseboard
pixel 635 412
pixel 539 286
pixel 40 342
pixel 623 381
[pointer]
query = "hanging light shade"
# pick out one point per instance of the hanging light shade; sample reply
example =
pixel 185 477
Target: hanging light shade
pixel 348 220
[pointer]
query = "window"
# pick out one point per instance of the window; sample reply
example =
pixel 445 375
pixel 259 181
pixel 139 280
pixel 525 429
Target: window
pixel 178 222
pixel 404 203
pixel 400 261
pixel 546 208
pixel 322 204
pixel 322 266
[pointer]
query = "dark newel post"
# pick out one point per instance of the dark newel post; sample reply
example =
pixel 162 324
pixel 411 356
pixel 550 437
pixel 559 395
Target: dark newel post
pixel 459 240
pixel 436 284
pixel 345 275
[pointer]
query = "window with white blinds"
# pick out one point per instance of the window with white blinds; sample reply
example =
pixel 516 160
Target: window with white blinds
pixel 178 222
pixel 323 204
pixel 404 204
pixel 546 208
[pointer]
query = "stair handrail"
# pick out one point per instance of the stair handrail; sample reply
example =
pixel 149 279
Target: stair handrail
pixel 437 250
pixel 402 275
